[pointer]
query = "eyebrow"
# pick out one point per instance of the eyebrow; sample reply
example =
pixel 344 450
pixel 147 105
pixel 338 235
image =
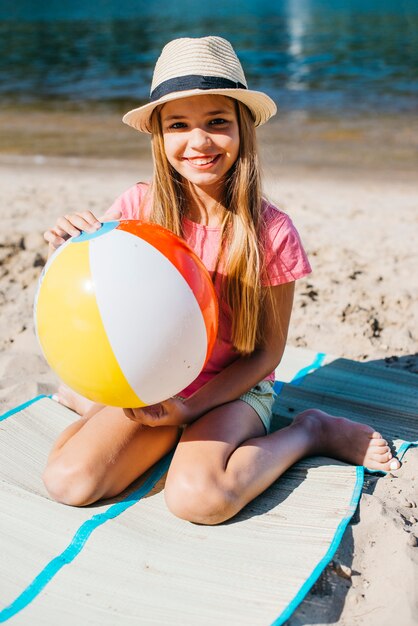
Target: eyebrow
pixel 209 113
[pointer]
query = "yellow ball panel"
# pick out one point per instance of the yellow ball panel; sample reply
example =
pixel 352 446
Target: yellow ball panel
pixel 71 332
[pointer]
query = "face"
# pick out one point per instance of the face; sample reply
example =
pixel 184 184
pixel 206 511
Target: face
pixel 201 138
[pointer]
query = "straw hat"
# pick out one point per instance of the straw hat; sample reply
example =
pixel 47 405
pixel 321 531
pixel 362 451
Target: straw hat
pixel 193 66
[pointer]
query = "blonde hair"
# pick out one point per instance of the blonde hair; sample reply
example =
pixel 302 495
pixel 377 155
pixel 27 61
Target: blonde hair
pixel 240 249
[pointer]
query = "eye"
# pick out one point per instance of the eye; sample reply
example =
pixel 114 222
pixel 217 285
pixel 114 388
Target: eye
pixel 177 126
pixel 219 121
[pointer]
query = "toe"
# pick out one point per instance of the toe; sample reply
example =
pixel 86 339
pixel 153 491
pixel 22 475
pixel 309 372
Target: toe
pixel 381 458
pixel 377 463
pixel 394 465
pixel 379 449
pixel 376 435
pixel 378 443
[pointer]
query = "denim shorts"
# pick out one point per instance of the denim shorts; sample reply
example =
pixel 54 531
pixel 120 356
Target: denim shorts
pixel 261 399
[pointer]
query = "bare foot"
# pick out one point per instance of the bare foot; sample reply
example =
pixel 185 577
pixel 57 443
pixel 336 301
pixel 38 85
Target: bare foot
pixel 342 439
pixel 73 400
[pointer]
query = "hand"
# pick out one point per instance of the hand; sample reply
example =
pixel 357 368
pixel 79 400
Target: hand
pixel 172 412
pixel 71 225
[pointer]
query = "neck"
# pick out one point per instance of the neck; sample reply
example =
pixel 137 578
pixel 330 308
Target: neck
pixel 205 206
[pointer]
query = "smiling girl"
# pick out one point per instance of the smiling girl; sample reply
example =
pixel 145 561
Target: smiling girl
pixel 206 188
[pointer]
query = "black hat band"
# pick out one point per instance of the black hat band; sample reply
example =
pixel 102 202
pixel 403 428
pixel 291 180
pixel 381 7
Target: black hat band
pixel 193 81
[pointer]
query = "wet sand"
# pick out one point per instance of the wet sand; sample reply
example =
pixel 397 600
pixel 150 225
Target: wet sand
pixel 350 187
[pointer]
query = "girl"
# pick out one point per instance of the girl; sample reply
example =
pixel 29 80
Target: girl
pixel 206 188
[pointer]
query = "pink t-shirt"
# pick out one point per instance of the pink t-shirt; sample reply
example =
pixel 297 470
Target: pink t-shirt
pixel 285 259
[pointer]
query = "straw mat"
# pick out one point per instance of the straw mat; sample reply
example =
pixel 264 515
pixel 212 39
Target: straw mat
pixel 129 561
pixel 383 397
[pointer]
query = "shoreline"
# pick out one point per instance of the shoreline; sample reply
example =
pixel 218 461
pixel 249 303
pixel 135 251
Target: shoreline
pixel 380 142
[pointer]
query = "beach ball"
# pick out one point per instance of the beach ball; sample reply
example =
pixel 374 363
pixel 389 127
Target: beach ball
pixel 126 316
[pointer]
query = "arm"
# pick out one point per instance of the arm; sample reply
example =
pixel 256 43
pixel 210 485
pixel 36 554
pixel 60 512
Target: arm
pixel 238 377
pixel 247 371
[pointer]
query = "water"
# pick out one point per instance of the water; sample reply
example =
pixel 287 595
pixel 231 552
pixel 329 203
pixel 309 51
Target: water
pixel 322 55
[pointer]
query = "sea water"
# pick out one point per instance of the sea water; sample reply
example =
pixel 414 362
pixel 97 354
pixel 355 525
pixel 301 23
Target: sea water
pixel 317 55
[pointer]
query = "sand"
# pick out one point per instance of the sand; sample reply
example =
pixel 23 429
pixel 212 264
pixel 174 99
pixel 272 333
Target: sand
pixel 351 191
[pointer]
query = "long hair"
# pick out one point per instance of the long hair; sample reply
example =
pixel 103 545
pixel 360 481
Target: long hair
pixel 240 254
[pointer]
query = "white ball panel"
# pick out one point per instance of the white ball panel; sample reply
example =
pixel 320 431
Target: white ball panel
pixel 150 314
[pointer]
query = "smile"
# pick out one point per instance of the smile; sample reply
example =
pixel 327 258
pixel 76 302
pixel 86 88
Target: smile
pixel 202 162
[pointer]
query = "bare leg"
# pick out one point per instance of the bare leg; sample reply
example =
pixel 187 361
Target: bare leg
pixel 216 472
pixel 99 455
pixel 75 401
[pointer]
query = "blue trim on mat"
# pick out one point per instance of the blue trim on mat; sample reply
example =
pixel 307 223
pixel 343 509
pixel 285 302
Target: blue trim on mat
pixel 82 534
pixel 302 373
pixel 79 540
pixel 21 407
pixel 329 554
pixel 316 364
pixel 404 447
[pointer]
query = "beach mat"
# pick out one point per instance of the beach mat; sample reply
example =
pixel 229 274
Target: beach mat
pixel 368 392
pixel 129 561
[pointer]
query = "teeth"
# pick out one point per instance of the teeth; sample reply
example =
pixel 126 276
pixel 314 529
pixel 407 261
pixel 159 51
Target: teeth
pixel 203 161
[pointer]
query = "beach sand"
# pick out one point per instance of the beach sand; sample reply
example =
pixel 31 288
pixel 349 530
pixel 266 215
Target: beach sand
pixel 351 189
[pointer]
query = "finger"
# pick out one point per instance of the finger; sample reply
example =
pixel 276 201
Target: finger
pixel 115 214
pixel 75 223
pixel 67 226
pixel 90 218
pixel 53 239
pixel 134 417
pixel 60 233
pixel 155 411
pixel 150 421
pixel 144 416
pixel 129 413
pixel 85 221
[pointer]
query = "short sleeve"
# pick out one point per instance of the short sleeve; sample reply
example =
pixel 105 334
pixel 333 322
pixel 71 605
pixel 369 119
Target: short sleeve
pixel 131 203
pixel 285 257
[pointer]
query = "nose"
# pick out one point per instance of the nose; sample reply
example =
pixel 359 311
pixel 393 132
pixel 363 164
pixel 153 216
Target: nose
pixel 199 139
